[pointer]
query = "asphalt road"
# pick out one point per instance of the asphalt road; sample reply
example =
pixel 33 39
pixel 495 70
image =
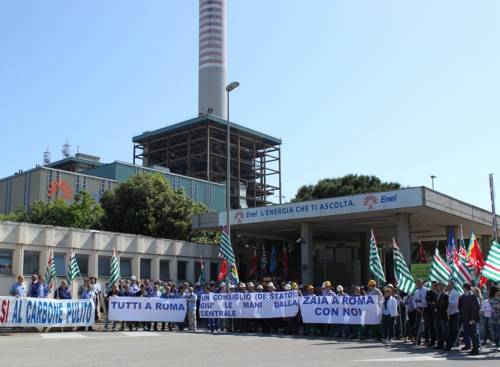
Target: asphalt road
pixel 151 349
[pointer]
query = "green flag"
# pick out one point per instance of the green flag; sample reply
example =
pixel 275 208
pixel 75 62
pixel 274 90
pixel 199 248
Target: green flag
pixel 440 271
pixel 50 273
pixel 73 269
pixel 404 279
pixel 114 271
pixel 374 263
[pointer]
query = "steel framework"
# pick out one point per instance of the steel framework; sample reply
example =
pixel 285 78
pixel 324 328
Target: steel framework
pixel 198 149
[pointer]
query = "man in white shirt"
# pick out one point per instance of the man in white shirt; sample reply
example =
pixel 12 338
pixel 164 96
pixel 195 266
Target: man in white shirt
pixel 454 315
pixel 420 303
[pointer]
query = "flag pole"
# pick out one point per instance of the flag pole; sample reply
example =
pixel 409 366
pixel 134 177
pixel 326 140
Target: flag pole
pixel 492 193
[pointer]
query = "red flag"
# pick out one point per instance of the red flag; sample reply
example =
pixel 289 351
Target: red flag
pixel 285 262
pixel 222 271
pixel 422 257
pixel 253 265
pixel 475 255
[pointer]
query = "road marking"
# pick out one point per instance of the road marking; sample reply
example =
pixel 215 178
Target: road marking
pixel 138 333
pixel 62 336
pixel 405 359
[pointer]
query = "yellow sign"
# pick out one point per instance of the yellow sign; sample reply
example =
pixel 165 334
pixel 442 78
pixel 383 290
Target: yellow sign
pixel 420 271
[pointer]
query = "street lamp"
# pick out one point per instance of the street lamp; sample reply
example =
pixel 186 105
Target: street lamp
pixel 432 179
pixel 229 88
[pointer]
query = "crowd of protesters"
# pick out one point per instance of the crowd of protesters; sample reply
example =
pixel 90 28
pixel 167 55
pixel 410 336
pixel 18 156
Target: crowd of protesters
pixel 435 315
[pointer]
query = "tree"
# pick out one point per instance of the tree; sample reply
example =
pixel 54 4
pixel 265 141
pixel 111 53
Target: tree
pixel 84 213
pixel 347 185
pixel 146 204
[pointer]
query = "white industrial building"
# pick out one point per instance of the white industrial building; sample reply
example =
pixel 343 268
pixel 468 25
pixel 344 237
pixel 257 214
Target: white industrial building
pixel 25 248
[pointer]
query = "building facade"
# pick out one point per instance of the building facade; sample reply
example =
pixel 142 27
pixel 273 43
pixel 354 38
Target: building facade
pixel 25 249
pixel 47 184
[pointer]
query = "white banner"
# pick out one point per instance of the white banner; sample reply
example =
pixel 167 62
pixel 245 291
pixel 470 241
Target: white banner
pixel 249 305
pixel 364 310
pixel 147 309
pixel 44 312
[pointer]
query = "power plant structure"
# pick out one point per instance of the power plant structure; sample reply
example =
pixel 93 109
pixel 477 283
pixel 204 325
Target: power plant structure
pixel 197 147
pixel 212 64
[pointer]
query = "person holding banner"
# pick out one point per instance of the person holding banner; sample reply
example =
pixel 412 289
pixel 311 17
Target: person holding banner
pixel 63 291
pixel 43 289
pixel 191 299
pixel 88 292
pixel 33 290
pixel 389 315
pixel 374 331
pixel 18 289
pixel 126 292
pixel 167 293
pixel 112 293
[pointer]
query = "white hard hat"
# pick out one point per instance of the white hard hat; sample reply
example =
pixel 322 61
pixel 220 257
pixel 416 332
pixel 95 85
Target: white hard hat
pixel 270 284
pixel 133 277
pixel 288 287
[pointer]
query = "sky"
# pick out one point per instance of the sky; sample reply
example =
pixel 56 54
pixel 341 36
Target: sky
pixel 399 89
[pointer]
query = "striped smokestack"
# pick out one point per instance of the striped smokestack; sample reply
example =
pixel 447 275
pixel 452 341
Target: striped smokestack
pixel 212 58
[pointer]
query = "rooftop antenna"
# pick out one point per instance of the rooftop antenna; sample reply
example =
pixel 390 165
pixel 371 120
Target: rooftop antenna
pixel 66 152
pixel 46 157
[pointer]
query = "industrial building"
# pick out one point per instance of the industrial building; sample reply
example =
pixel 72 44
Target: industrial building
pixel 47 183
pixel 25 249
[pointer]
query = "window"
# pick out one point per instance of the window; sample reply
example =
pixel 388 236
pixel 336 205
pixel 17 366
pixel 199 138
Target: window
pixel 125 267
pixel 164 270
pixel 59 260
pixel 214 271
pixel 31 263
pixel 83 264
pixel 103 266
pixel 181 270
pixel 5 262
pixel 197 270
pixel 145 268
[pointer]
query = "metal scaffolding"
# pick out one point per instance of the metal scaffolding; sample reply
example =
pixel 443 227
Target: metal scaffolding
pixel 197 148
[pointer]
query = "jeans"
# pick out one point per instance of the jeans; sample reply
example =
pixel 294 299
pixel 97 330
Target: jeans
pixel 495 330
pixel 212 324
pixel 485 331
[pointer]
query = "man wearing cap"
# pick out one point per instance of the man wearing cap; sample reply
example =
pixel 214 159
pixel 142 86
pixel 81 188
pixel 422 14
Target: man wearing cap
pixel 327 291
pixel 374 331
pixel 133 287
pixel 241 325
pixel 310 329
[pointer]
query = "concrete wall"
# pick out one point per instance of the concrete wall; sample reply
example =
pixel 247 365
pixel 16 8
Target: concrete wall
pixel 17 238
